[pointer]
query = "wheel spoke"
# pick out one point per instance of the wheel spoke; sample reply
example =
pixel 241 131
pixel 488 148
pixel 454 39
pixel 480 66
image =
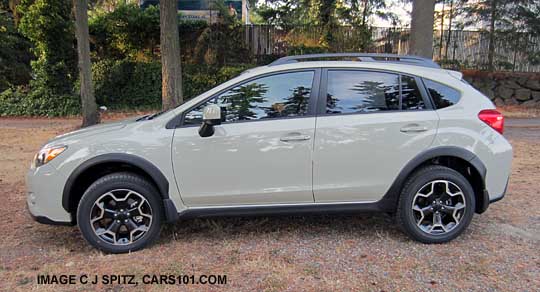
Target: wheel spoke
pixel 115 225
pixel 109 213
pixel 131 225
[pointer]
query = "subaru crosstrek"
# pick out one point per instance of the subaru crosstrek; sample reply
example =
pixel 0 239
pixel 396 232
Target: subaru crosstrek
pixel 332 133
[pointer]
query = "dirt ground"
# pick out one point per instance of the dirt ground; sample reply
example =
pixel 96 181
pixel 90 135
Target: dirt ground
pixel 499 251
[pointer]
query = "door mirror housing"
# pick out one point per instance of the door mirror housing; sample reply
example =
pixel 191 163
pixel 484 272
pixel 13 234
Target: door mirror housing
pixel 211 118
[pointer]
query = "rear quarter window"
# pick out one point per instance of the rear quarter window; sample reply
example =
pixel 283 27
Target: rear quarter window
pixel 442 95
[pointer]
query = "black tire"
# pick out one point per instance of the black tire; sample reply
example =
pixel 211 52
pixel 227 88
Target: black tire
pixel 405 216
pixel 120 181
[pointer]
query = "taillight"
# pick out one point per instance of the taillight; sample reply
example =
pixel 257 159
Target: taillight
pixel 493 118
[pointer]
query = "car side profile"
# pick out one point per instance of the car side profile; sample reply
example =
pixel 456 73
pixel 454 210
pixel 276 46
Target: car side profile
pixel 329 133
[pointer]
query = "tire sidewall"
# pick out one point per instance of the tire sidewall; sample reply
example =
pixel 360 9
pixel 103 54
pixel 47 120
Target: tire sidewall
pixel 420 180
pixel 109 183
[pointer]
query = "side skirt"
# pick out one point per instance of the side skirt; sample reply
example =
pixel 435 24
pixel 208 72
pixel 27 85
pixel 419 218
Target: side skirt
pixel 284 209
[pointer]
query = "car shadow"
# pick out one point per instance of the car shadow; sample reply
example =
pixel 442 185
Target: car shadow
pixel 225 228
pixel 219 229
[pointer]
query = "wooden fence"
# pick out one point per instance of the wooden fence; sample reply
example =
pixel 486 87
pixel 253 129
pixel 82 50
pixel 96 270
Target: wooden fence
pixel 460 49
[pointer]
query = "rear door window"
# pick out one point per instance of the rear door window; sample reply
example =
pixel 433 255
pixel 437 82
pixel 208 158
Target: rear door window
pixel 361 91
pixel 350 91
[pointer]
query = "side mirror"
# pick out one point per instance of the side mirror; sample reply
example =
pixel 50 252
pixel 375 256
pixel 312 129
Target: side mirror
pixel 211 118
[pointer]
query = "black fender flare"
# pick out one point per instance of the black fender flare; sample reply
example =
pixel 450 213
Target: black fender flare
pixel 157 176
pixel 389 200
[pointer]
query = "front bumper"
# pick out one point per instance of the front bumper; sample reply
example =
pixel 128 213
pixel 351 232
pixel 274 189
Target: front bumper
pixel 47 220
pixel 44 196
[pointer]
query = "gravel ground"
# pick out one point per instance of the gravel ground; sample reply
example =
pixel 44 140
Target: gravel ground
pixel 499 251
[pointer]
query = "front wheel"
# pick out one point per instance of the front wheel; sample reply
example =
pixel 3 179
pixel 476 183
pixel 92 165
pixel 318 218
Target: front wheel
pixel 436 205
pixel 119 213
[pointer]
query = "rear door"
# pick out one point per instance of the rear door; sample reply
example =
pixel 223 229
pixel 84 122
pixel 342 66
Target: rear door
pixel 370 124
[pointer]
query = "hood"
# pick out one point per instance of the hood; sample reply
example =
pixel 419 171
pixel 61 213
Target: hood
pixel 92 130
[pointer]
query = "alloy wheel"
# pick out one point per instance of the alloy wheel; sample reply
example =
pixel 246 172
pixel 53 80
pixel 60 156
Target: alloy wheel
pixel 438 207
pixel 121 217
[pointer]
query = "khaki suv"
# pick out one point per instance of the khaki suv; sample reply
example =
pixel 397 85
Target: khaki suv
pixel 306 134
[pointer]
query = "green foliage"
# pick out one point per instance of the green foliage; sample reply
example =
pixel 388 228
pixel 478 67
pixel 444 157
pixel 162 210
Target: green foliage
pixel 132 32
pixel 301 49
pixel 322 12
pixel 48 25
pixel 38 102
pixel 200 78
pixel 222 42
pixel 118 85
pixel 506 20
pixel 125 32
pixel 15 54
pixel 128 84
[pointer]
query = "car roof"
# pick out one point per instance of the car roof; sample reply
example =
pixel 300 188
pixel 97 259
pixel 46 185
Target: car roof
pixel 421 71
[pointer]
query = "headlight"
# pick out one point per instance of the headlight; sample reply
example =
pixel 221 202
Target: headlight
pixel 47 154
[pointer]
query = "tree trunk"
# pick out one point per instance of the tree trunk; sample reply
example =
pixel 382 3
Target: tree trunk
pixel 491 47
pixel 12 4
pixel 88 100
pixel 421 40
pixel 442 32
pixel 449 36
pixel 171 85
pixel 365 13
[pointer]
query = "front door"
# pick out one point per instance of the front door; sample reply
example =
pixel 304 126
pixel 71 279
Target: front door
pixel 260 154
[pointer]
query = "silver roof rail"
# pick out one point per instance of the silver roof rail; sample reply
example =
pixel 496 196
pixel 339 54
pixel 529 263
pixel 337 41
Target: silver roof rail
pixel 364 57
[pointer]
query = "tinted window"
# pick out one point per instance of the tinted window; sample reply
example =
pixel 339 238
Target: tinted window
pixel 358 91
pixel 411 99
pixel 442 95
pixel 282 95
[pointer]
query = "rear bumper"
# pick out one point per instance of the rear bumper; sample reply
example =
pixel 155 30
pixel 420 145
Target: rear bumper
pixel 501 196
pixel 487 200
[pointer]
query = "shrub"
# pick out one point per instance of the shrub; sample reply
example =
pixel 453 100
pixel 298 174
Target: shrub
pixel 132 32
pixel 48 25
pixel 15 54
pixel 200 78
pixel 119 85
pixel 129 84
pixel 38 102
pixel 304 50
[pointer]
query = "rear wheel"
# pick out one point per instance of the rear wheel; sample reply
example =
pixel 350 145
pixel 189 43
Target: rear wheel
pixel 120 212
pixel 436 205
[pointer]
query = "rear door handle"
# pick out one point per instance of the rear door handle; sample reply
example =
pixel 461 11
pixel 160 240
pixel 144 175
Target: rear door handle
pixel 413 129
pixel 294 137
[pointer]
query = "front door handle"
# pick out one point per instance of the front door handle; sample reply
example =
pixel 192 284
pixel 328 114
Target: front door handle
pixel 413 128
pixel 294 137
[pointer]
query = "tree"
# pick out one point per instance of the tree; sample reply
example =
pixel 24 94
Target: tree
pixel 48 25
pixel 421 40
pixel 171 71
pixel 357 12
pixel 498 16
pixel 222 42
pixel 15 53
pixel 88 99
